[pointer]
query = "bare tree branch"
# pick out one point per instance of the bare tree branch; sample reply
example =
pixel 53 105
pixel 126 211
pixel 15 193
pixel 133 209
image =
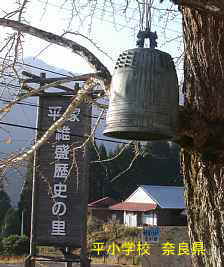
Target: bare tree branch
pixel 91 41
pixel 22 8
pixel 91 59
pixel 81 95
pixel 34 91
pixel 115 156
pixel 127 169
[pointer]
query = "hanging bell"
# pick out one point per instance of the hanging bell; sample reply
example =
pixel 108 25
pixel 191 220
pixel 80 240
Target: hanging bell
pixel 143 96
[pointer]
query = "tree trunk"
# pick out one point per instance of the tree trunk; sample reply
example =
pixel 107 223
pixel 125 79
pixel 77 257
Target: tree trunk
pixel 204 185
pixel 203 165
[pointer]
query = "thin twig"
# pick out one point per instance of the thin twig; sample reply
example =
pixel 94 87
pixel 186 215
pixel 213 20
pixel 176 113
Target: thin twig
pixel 127 169
pixel 116 156
pixel 81 95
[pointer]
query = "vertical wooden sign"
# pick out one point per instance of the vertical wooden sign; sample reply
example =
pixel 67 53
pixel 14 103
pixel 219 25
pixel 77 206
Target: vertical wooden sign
pixel 61 174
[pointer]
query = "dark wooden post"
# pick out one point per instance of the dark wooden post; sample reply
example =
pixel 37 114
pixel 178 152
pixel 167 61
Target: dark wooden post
pixel 85 262
pixel 68 250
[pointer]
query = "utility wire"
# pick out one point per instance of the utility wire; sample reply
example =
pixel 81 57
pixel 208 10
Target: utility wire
pixel 43 108
pixel 8 75
pixel 44 130
pixel 10 85
pixel 32 66
pixel 39 129
pixel 34 128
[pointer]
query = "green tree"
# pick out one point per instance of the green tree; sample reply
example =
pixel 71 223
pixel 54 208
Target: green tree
pixel 5 205
pixel 122 183
pixel 97 172
pixel 15 245
pixel 103 170
pixel 25 202
pixel 158 164
pixel 12 223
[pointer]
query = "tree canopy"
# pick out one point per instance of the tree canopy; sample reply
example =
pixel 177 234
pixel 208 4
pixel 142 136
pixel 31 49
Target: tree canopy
pixel 159 164
pixel 5 205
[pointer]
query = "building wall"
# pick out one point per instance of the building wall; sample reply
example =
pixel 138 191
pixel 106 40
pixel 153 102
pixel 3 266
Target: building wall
pixel 119 215
pixel 101 214
pixel 171 217
pixel 136 215
pixel 139 217
pixel 162 217
pixel 106 214
pixel 140 196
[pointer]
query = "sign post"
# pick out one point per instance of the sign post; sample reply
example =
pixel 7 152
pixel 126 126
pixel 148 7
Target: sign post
pixel 60 180
pixel 151 234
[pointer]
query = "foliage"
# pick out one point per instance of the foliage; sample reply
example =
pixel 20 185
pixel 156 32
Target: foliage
pixel 98 173
pixel 10 218
pixel 158 164
pixel 25 203
pixel 1 245
pixel 12 223
pixel 4 205
pixel 93 224
pixel 131 232
pixel 111 231
pixel 118 232
pixel 14 245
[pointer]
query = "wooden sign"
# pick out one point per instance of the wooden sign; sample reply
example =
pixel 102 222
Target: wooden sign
pixel 60 180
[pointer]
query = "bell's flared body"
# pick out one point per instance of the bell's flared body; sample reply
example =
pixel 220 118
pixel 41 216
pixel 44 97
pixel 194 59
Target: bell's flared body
pixel 144 96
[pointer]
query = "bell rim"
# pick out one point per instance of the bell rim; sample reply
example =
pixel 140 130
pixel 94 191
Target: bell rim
pixel 137 134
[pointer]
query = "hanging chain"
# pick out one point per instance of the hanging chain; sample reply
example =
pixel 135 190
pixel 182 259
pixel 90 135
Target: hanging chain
pixel 141 11
pixel 146 18
pixel 148 14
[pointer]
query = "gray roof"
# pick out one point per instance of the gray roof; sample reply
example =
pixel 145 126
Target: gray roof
pixel 167 197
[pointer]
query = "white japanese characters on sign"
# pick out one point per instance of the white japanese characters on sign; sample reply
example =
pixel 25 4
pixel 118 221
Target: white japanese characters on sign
pixel 54 112
pixel 59 189
pixel 58 228
pixel 75 115
pixel 59 209
pixel 61 170
pixel 60 174
pixel 62 152
pixel 63 134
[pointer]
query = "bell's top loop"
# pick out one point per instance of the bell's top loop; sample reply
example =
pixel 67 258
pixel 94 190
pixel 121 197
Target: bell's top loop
pixel 147 34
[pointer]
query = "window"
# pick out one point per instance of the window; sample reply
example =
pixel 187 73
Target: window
pixel 149 219
pixel 114 217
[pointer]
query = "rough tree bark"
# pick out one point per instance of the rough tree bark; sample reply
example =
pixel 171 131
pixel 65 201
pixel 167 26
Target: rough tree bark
pixel 203 163
pixel 211 6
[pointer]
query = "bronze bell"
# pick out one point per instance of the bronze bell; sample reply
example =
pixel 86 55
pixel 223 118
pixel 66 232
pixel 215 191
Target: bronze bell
pixel 143 96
